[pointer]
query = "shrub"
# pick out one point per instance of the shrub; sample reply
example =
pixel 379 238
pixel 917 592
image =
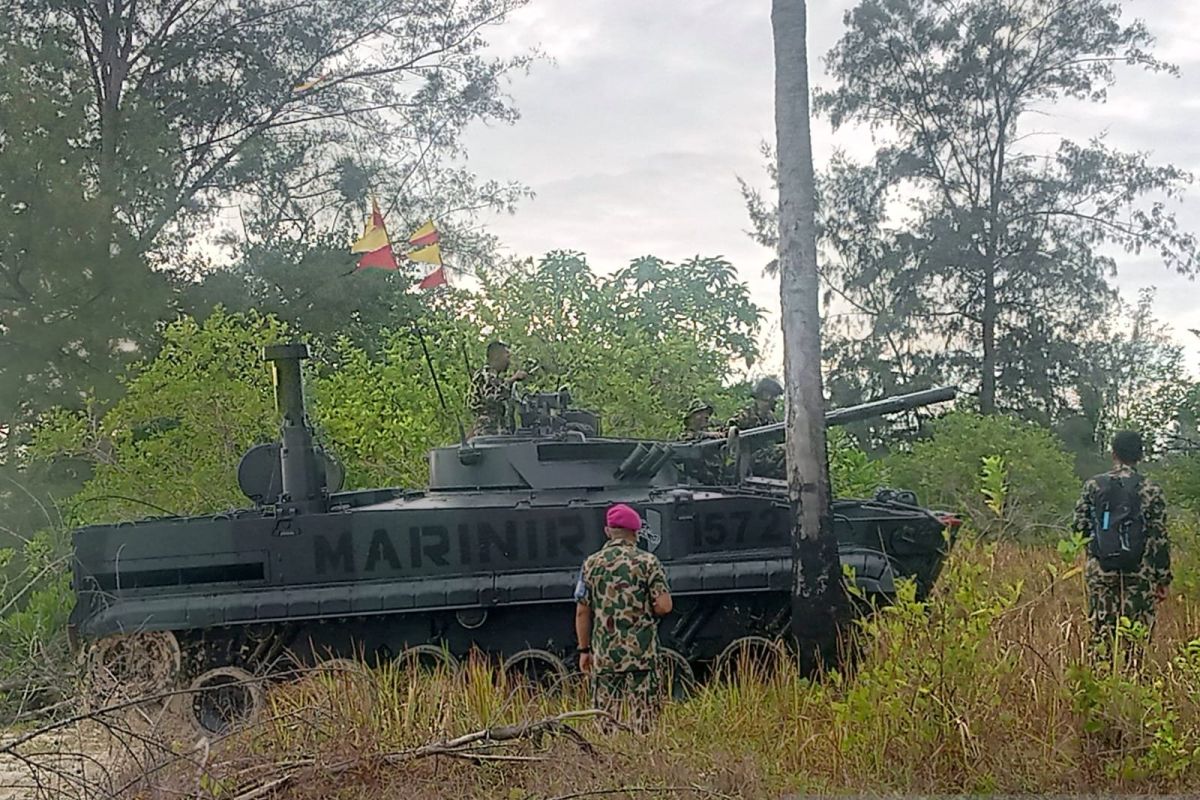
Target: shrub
pixel 1180 479
pixel 979 688
pixel 852 472
pixel 1033 476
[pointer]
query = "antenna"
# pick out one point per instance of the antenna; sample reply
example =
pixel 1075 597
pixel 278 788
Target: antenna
pixel 462 346
pixel 437 384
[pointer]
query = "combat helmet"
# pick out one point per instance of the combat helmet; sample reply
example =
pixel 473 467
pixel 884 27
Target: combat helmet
pixel 697 405
pixel 766 389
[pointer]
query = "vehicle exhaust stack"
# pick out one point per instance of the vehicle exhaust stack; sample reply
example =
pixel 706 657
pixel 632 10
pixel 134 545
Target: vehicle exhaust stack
pixel 303 479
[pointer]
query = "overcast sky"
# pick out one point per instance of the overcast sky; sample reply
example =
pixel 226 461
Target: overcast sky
pixel 633 139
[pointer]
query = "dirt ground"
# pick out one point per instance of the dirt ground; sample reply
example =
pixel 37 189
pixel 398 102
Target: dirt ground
pixel 90 760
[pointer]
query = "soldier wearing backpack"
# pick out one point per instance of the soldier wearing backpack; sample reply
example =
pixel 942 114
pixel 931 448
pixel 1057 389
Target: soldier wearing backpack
pixel 1128 565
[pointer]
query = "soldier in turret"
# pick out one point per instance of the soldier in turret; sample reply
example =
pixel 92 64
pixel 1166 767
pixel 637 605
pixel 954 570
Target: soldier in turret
pixel 696 422
pixel 769 462
pixel 490 391
pixel 761 409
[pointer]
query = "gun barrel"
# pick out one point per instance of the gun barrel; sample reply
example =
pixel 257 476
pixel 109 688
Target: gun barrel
pixel 890 405
pixel 776 431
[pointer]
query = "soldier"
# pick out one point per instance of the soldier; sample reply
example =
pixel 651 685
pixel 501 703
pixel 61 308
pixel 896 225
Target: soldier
pixel 696 425
pixel 761 410
pixel 490 390
pixel 769 462
pixel 622 590
pixel 1128 565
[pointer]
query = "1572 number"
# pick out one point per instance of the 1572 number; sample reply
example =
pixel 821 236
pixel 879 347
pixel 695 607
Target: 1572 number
pixel 741 528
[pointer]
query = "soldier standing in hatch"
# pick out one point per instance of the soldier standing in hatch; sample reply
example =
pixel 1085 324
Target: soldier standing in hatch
pixel 697 428
pixel 696 423
pixel 1128 568
pixel 490 391
pixel 621 592
pixel 770 462
pixel 761 409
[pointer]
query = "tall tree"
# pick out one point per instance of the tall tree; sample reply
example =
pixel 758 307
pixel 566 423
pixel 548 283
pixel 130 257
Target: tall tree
pixel 172 110
pixel 818 601
pixel 968 248
pixel 1133 375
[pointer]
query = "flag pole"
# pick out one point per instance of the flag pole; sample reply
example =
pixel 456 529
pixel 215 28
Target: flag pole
pixel 437 384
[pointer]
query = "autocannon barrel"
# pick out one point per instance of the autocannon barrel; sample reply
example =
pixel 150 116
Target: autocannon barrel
pixel 301 475
pixel 890 405
pixel 776 431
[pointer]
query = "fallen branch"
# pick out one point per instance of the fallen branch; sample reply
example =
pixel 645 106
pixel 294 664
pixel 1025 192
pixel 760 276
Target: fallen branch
pixel 471 747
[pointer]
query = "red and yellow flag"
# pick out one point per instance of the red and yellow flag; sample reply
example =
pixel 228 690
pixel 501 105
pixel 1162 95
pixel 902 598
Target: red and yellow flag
pixel 375 244
pixel 426 239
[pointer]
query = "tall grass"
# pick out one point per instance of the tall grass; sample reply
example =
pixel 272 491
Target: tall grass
pixel 985 687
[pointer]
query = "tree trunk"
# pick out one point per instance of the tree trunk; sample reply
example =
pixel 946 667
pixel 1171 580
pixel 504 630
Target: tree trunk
pixel 818 601
pixel 987 383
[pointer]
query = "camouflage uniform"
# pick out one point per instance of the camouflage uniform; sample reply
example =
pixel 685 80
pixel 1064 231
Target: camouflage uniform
pixel 1112 595
pixel 707 471
pixel 700 436
pixel 768 462
pixel 488 401
pixel 751 417
pixel 688 435
pixel 619 583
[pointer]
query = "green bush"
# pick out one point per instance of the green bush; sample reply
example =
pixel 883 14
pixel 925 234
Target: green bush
pixel 173 441
pixel 852 472
pixel 1035 477
pixel 1180 479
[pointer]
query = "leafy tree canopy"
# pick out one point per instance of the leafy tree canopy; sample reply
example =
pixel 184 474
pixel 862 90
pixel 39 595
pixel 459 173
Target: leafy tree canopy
pixel 130 126
pixel 966 250
pixel 174 439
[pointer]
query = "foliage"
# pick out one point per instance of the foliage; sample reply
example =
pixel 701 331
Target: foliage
pixel 1034 476
pixel 380 414
pixel 637 346
pixel 66 322
pixel 1133 376
pixel 1180 479
pixel 131 132
pixel 980 689
pixel 852 473
pixel 966 250
pixel 172 443
pixel 993 483
pixel 35 599
pixel 312 285
pixel 133 125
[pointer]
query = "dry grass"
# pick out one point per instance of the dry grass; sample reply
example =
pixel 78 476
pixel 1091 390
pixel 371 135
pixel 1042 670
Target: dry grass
pixel 983 689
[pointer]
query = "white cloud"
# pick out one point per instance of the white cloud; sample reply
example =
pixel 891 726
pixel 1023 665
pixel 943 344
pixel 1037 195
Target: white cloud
pixel 634 138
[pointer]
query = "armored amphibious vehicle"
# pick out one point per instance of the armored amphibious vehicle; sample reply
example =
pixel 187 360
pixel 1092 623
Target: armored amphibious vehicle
pixel 484 559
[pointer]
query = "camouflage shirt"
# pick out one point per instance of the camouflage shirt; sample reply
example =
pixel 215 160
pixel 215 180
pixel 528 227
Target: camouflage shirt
pixel 1156 561
pixel 619 583
pixel 489 401
pixel 688 435
pixel 751 417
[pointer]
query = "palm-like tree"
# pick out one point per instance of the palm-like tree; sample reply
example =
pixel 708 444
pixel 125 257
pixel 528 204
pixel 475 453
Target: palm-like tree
pixel 818 603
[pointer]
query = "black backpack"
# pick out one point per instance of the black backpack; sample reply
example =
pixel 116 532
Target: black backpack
pixel 1118 528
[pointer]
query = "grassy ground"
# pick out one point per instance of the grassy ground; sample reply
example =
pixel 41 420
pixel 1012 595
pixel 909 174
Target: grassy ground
pixel 982 689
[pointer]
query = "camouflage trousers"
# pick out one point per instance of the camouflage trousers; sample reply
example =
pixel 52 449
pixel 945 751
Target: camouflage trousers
pixel 707 473
pixel 1111 596
pixel 488 425
pixel 634 697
